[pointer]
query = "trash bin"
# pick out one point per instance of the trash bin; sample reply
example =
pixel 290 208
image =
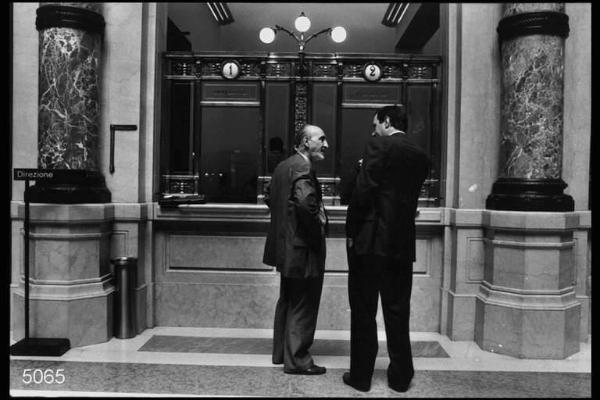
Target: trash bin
pixel 125 273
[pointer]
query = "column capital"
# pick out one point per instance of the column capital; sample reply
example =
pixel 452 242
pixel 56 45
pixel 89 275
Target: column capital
pixel 534 23
pixel 49 16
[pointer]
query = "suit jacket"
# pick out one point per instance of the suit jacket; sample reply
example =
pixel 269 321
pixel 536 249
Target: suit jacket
pixel 295 242
pixel 383 204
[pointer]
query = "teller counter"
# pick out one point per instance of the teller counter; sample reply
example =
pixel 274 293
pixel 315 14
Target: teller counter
pixel 208 269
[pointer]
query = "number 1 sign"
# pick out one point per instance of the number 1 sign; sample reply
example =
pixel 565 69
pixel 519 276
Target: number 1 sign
pixel 230 69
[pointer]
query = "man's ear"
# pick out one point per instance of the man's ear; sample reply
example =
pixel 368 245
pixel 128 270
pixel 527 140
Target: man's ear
pixel 387 122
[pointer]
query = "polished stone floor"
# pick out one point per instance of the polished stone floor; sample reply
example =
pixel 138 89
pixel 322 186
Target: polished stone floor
pixel 173 362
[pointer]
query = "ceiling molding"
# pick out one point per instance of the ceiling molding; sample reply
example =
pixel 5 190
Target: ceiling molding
pixel 220 12
pixel 394 13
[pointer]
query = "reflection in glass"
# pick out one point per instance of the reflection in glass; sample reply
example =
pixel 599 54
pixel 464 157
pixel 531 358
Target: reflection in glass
pixel 229 154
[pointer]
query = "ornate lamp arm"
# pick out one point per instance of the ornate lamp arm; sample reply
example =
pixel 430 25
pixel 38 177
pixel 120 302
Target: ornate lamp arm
pixel 281 28
pixel 314 35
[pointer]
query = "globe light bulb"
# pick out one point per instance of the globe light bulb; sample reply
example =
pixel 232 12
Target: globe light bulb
pixel 267 35
pixel 338 34
pixel 302 23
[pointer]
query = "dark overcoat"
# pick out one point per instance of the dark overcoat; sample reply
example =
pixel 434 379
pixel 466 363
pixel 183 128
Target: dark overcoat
pixel 382 208
pixel 295 242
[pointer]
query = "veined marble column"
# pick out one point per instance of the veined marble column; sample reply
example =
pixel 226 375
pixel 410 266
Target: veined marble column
pixel 70 286
pixel 68 124
pixel 527 306
pixel 532 39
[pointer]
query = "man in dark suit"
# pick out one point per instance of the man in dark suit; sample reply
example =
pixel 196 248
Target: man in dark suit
pixel 380 231
pixel 296 247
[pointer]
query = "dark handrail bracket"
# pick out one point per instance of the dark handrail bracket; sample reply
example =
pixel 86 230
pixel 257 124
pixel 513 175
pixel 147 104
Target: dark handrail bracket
pixel 113 129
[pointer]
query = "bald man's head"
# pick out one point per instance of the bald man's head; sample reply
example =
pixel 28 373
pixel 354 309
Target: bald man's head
pixel 312 142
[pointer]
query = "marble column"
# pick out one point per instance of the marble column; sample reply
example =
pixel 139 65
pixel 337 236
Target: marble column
pixel 70 282
pixel 526 305
pixel 532 39
pixel 68 119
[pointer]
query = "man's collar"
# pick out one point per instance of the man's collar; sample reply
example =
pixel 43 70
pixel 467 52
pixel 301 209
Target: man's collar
pixel 400 132
pixel 303 155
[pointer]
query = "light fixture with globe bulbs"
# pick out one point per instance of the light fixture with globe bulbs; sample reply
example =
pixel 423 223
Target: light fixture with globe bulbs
pixel 302 25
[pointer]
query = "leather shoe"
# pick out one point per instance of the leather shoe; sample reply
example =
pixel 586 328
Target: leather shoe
pixel 363 387
pixel 398 388
pixel 314 370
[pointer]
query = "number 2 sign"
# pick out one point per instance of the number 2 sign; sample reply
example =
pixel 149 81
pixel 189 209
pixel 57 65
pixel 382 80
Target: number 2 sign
pixel 230 69
pixel 372 72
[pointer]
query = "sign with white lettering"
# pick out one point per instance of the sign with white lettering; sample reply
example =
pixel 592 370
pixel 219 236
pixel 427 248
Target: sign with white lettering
pixel 63 175
pixel 22 174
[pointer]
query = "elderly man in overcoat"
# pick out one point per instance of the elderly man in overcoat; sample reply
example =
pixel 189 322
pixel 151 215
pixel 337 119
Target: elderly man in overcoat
pixel 295 245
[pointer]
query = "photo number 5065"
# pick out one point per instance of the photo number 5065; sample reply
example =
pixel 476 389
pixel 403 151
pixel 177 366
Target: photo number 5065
pixel 39 376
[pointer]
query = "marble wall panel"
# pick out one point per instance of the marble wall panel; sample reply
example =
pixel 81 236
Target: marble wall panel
pixel 122 98
pixel 475 259
pixel 543 269
pixel 250 303
pixel 215 252
pixel 529 265
pixel 478 102
pixel 224 306
pixel 65 260
pixel 507 269
pixel 578 104
pixel 24 90
pixel 567 268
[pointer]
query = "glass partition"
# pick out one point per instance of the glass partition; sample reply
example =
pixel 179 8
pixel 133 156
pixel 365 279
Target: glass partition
pixel 230 118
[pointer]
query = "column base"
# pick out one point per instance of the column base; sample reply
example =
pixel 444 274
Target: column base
pixel 81 321
pixel 520 194
pixel 71 187
pixel 514 325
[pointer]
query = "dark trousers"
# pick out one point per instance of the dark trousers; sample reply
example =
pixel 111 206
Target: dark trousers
pixel 368 277
pixel 295 321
